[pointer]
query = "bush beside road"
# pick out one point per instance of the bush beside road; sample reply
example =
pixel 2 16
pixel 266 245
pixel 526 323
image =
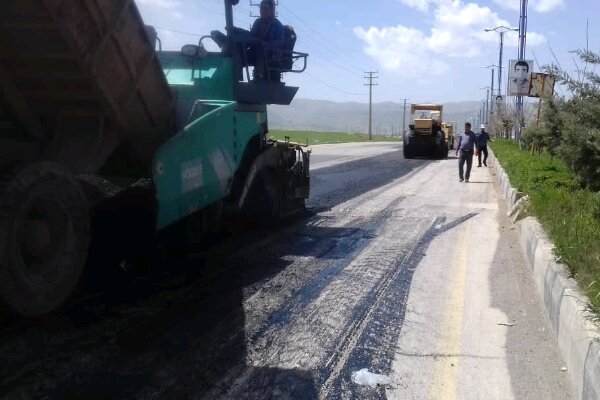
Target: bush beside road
pixel 569 213
pixel 313 138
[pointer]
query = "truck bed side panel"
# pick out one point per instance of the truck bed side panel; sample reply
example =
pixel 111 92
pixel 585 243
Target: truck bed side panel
pixel 84 78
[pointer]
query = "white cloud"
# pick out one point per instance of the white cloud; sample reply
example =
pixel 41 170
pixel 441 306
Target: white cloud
pixel 161 4
pixel 535 39
pixel 541 6
pixel 161 8
pixel 457 31
pixel 421 5
pixel 400 48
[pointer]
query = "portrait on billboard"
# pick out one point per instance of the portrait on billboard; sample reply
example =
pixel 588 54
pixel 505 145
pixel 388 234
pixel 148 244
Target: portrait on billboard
pixel 541 84
pixel 519 77
pixel 499 104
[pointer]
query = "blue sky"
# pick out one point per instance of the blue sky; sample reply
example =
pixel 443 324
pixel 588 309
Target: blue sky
pixel 424 50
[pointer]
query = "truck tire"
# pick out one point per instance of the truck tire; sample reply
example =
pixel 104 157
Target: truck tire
pixel 44 238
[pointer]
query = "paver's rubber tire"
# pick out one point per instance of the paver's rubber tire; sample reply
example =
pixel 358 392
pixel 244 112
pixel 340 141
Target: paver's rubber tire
pixel 263 206
pixel 407 153
pixel 44 238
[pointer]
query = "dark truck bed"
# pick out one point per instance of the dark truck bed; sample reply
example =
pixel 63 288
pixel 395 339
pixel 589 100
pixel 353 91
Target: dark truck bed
pixel 80 84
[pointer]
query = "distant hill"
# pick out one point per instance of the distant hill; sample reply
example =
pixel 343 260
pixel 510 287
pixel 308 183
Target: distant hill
pixel 328 116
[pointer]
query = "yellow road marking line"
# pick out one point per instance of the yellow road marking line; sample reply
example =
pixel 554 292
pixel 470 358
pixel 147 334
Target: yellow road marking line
pixel 445 372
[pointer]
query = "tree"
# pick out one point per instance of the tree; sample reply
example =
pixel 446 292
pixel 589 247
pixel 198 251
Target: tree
pixel 570 127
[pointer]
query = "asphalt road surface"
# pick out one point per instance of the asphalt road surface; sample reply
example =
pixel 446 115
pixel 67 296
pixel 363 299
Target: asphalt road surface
pixel 399 271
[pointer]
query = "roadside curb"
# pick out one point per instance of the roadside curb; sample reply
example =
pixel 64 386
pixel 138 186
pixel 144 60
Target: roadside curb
pixel 578 339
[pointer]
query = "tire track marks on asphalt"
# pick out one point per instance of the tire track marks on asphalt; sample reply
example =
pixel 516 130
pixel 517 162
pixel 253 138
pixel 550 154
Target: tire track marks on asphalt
pixel 380 330
pixel 313 333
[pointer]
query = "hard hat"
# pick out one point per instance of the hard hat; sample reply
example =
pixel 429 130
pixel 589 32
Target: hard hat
pixel 482 126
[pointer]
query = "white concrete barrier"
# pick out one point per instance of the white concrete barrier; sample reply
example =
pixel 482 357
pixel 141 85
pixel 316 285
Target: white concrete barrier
pixel 578 338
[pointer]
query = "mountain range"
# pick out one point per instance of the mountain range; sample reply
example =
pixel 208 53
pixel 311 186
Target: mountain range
pixel 329 116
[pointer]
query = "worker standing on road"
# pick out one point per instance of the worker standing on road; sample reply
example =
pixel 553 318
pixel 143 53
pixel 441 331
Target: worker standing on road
pixel 466 146
pixel 482 140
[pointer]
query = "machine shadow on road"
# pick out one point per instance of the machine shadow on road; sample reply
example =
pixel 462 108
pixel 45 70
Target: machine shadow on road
pixel 173 335
pixel 181 332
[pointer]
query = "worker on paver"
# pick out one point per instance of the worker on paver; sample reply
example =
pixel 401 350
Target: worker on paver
pixel 482 139
pixel 269 31
pixel 466 146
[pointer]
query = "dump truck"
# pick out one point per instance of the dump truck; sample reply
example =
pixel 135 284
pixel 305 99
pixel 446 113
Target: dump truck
pixel 97 124
pixel 425 137
pixel 448 129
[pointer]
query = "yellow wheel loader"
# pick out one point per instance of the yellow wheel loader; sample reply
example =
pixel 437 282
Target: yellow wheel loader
pixel 425 137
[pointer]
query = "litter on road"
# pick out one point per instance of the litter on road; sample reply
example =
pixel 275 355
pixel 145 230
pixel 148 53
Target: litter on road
pixel 366 378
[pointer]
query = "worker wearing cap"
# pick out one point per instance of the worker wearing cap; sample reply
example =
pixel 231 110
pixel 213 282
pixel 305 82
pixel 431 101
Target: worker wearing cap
pixel 481 141
pixel 466 146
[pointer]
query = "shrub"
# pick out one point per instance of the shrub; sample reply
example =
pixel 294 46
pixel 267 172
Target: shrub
pixel 570 128
pixel 570 214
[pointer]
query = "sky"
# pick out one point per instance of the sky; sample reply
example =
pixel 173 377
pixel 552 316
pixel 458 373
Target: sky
pixel 422 50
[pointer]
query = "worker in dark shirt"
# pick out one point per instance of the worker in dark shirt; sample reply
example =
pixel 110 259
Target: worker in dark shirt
pixel 270 36
pixel 466 147
pixel 482 140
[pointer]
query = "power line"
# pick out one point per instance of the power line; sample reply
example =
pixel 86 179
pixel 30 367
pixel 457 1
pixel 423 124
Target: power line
pixel 325 58
pixel 238 8
pixel 177 31
pixel 333 87
pixel 318 42
pixel 321 38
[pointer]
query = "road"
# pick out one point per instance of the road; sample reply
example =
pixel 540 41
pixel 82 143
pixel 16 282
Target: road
pixel 399 269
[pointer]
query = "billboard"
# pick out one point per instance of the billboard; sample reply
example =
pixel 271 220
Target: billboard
pixel 542 84
pixel 499 105
pixel 519 77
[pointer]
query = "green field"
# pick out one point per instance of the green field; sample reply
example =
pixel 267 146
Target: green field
pixel 569 213
pixel 313 138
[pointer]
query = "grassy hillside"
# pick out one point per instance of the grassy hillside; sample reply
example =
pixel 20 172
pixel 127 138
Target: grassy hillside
pixel 313 138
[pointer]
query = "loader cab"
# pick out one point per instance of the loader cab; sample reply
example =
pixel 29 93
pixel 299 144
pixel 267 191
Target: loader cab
pixel 426 119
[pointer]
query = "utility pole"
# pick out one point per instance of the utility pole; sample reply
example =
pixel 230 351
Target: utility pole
pixel 492 103
pixel 502 30
pixel 522 47
pixel 404 118
pixel 492 106
pixel 487 106
pixel 370 75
